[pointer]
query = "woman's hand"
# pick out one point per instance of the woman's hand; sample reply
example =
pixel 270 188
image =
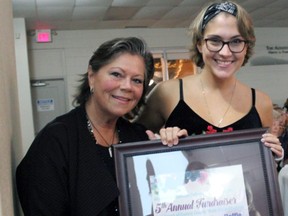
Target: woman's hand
pixel 152 136
pixel 170 135
pixel 272 142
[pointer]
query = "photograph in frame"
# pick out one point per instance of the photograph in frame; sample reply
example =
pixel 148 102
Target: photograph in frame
pixel 217 174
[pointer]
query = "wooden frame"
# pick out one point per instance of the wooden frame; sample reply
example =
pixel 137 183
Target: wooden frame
pixel 136 162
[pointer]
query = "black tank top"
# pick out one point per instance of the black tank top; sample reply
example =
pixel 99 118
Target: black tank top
pixel 185 118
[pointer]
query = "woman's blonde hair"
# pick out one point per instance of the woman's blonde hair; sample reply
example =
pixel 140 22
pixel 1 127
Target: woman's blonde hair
pixel 245 27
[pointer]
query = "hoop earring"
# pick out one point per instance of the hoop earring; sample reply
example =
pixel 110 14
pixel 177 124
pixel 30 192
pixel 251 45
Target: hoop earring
pixel 91 90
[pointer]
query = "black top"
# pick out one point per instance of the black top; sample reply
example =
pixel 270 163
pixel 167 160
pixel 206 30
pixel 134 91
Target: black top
pixel 64 172
pixel 185 118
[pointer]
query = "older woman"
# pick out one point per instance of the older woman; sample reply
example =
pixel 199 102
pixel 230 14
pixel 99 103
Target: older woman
pixel 69 169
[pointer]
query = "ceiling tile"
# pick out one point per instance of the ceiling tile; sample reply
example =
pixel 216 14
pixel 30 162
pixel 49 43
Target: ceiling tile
pixel 129 3
pixel 278 3
pixel 181 13
pixel 120 13
pixel 166 23
pixel 109 24
pixel 264 22
pixel 194 2
pixel 84 24
pixel 255 4
pixel 71 14
pixel 264 12
pixel 101 3
pixel 24 8
pixel 143 23
pixel 279 15
pixel 151 12
pixel 20 3
pixel 54 3
pixel 88 13
pixel 55 13
pixel 24 11
pixel 184 24
pixel 164 3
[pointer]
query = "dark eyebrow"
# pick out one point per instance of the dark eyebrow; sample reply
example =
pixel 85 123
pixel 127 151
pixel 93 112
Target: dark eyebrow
pixel 219 37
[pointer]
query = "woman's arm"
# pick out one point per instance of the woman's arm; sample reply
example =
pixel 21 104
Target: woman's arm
pixel 41 178
pixel 264 107
pixel 151 115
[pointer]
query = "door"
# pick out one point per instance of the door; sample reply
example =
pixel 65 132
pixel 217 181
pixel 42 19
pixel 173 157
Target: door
pixel 48 101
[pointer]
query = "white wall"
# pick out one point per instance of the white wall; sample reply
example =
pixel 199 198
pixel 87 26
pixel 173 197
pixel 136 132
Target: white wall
pixel 78 46
pixel 271 79
pixel 268 68
pixel 23 83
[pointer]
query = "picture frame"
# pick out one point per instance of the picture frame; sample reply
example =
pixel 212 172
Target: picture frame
pixel 138 164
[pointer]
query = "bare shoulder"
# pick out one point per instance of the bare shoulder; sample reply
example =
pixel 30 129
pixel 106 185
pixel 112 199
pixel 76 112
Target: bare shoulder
pixel 172 86
pixel 263 100
pixel 165 89
pixel 264 107
pixel 165 97
pixel 263 103
pixel 168 84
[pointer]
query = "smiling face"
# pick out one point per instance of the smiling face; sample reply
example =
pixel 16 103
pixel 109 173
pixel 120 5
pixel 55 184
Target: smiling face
pixel 118 86
pixel 223 63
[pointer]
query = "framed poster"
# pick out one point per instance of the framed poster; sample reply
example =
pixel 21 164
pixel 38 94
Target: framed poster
pixel 206 175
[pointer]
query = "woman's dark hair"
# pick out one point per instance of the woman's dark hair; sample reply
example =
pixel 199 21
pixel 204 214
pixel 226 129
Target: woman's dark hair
pixel 106 53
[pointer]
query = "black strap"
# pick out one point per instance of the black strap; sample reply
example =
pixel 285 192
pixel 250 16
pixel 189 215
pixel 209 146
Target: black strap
pixel 181 89
pixel 253 96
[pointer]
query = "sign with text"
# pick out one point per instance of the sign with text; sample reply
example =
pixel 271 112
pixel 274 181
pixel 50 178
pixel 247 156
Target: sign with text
pixel 205 192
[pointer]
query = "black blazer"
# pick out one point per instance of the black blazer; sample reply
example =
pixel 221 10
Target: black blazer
pixel 62 172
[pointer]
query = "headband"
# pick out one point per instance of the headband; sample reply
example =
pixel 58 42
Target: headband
pixel 215 9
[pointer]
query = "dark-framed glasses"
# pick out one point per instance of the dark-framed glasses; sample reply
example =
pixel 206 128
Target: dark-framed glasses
pixel 215 45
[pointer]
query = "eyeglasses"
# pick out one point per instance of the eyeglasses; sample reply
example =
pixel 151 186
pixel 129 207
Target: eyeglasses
pixel 235 45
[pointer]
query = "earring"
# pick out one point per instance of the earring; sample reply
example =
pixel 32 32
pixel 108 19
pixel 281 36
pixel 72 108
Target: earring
pixel 91 90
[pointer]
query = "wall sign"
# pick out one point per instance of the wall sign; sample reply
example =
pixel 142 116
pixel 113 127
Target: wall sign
pixel 44 105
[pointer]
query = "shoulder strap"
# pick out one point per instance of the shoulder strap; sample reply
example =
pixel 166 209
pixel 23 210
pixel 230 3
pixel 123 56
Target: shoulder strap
pixel 181 89
pixel 253 96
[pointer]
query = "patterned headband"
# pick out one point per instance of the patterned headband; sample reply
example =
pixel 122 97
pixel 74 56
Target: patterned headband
pixel 215 9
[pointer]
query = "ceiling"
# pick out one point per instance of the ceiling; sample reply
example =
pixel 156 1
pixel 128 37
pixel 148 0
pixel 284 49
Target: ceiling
pixel 114 14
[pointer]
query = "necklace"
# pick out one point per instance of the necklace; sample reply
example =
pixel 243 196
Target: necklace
pixel 206 102
pixel 90 123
